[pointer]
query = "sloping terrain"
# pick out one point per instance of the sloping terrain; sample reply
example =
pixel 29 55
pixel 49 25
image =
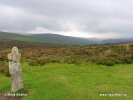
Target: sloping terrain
pixel 60 39
pixel 50 39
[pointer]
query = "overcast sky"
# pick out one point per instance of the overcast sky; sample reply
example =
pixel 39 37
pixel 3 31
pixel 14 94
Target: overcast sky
pixel 80 18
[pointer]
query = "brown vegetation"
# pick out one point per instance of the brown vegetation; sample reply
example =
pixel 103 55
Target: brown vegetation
pixel 104 54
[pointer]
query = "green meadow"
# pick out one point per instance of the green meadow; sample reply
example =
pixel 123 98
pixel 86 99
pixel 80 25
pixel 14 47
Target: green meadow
pixel 56 81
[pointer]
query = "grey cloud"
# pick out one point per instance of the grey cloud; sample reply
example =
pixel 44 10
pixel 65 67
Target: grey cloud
pixel 97 16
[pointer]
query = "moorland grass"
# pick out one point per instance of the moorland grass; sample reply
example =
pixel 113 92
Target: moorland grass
pixel 56 81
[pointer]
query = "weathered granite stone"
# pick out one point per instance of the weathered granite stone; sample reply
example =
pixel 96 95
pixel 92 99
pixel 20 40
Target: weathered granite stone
pixel 15 69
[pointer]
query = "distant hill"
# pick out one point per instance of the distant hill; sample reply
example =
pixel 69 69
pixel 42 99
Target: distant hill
pixel 12 36
pixel 11 39
pixel 49 39
pixel 117 40
pixel 60 39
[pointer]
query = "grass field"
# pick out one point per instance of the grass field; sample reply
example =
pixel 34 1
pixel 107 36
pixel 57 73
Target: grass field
pixel 56 81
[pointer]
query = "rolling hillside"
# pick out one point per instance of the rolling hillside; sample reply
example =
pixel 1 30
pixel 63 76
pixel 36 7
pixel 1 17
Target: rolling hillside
pixel 48 39
pixel 117 40
pixel 60 39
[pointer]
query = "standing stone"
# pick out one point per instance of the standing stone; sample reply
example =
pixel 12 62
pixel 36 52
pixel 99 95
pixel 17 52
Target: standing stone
pixel 15 69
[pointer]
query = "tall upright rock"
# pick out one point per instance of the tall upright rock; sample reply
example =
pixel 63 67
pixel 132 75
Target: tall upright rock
pixel 15 70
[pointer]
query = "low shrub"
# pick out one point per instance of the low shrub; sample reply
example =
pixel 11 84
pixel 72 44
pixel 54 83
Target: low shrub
pixel 109 61
pixel 4 68
pixel 127 60
pixel 43 60
pixel 39 61
pixel 33 62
